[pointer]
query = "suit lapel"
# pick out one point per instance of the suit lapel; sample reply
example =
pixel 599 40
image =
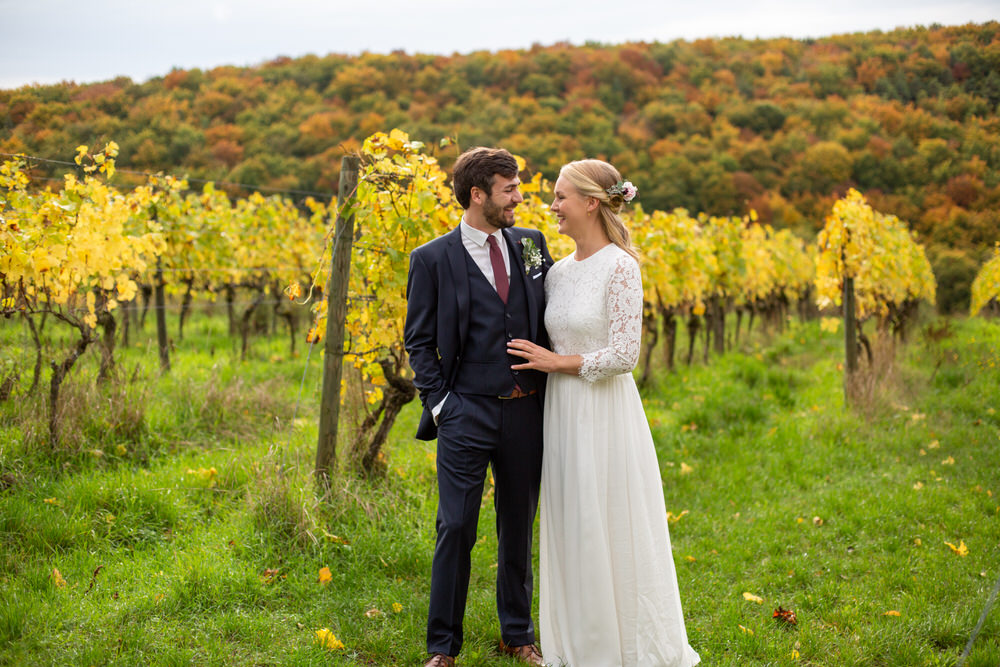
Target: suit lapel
pixel 460 280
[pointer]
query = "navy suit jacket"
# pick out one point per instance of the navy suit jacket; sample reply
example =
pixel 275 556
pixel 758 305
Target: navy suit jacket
pixel 437 311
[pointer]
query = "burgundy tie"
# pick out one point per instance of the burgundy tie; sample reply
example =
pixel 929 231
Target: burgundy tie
pixel 499 270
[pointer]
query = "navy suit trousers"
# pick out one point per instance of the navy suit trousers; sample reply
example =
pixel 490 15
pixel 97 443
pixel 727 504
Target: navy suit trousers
pixel 476 432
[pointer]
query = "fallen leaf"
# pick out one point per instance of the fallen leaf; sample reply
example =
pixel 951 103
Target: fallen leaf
pixel 373 612
pixel 750 597
pixel 325 575
pixel 746 630
pixel 690 559
pixel 328 640
pixel 674 518
pixel 795 654
pixel 891 612
pixel 785 615
pixel 950 461
pixel 93 578
pixel 817 521
pixel 57 579
pixel 933 444
pixel 918 486
pixel 961 549
pixel 686 469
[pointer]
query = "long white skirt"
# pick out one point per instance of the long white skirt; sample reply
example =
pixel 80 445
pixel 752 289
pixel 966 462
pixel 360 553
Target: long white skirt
pixel 608 591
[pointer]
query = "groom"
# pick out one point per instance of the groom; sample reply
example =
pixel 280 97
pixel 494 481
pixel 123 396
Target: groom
pixel 468 293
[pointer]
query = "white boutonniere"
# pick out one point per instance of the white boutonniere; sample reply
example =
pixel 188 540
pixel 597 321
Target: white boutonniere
pixel 530 253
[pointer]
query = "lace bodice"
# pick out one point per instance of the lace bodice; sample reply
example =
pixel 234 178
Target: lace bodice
pixel 594 309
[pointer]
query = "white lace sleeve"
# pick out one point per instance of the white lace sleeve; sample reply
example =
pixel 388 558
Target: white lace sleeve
pixel 624 298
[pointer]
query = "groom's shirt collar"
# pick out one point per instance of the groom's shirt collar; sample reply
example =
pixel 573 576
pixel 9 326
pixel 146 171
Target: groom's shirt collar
pixel 478 236
pixel 474 241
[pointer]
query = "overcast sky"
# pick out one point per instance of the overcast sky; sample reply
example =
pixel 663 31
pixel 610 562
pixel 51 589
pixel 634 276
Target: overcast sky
pixel 47 41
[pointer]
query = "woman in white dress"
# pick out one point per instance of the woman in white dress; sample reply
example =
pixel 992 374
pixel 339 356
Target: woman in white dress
pixel 608 592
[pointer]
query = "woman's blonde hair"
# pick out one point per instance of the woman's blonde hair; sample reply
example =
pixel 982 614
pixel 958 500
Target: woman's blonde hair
pixel 592 178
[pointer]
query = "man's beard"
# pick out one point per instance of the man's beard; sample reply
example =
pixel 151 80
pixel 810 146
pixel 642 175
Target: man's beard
pixel 494 215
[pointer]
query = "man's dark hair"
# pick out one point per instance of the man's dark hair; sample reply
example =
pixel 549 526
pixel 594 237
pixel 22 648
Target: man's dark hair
pixel 476 168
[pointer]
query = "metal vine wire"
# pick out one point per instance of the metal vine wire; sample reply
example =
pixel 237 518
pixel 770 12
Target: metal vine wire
pixel 979 625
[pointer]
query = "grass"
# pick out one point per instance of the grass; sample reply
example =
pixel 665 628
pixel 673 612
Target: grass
pixel 180 512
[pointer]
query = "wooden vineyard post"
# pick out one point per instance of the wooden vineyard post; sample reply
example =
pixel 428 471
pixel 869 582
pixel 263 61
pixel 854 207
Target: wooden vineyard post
pixel 159 304
pixel 850 337
pixel 333 357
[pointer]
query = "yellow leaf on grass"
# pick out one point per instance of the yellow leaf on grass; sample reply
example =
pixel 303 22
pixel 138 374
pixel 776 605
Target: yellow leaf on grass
pixel 891 612
pixel 374 612
pixel 57 579
pixel 961 549
pixel 746 630
pixel 674 518
pixel 795 655
pixel 324 575
pixel 918 486
pixel 950 461
pixel 686 469
pixel 690 559
pixel 328 640
pixel 750 597
pixel 933 444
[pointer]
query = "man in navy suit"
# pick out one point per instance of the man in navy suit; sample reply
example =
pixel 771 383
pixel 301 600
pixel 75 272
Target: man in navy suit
pixel 468 293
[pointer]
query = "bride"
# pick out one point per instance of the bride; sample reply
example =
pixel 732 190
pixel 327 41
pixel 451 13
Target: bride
pixel 608 591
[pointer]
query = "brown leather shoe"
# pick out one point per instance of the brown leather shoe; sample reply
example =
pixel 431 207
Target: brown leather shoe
pixel 440 660
pixel 529 653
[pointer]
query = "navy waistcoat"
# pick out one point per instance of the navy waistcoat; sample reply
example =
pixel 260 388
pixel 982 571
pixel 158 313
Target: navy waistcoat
pixel 485 365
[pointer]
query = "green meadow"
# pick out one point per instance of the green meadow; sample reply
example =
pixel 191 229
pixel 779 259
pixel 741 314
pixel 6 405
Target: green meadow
pixel 177 522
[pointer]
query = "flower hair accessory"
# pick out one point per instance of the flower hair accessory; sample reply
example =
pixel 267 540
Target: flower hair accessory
pixel 623 189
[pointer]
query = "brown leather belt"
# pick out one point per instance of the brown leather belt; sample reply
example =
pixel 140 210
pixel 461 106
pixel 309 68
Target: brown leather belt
pixel 518 393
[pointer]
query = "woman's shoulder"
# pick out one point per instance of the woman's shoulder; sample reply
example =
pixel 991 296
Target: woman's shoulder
pixel 619 258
